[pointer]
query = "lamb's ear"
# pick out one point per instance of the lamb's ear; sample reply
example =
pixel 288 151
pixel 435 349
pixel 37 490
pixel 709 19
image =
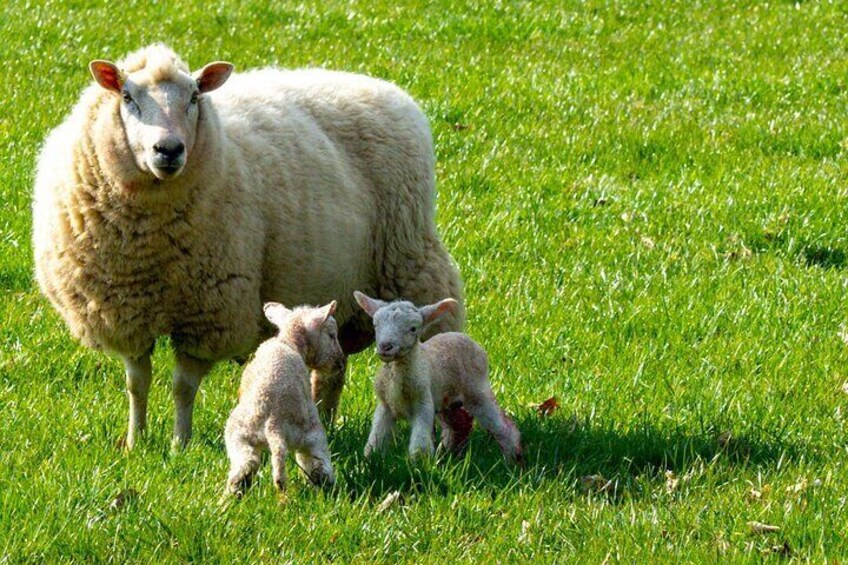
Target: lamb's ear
pixel 213 75
pixel 321 315
pixel 107 75
pixel 433 312
pixel 370 305
pixel 276 313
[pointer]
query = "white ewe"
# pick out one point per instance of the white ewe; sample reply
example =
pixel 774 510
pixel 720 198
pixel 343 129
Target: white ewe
pixel 275 408
pixel 164 208
pixel 447 376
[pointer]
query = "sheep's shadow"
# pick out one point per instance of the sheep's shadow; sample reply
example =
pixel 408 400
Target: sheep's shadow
pixel 555 448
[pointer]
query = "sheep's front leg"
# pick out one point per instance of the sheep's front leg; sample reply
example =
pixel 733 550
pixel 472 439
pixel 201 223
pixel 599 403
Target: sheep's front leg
pixel 381 429
pixel 421 441
pixel 327 385
pixel 138 373
pixel 187 376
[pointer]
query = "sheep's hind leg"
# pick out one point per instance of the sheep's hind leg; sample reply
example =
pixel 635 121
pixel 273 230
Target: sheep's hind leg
pixel 187 376
pixel 138 374
pixel 277 446
pixel 494 421
pixel 314 458
pixel 244 460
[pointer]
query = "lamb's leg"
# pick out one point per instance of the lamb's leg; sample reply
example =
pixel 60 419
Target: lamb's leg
pixel 326 389
pixel 421 440
pixel 381 428
pixel 277 446
pixel 244 457
pixel 187 376
pixel 314 457
pixel 138 373
pixel 494 421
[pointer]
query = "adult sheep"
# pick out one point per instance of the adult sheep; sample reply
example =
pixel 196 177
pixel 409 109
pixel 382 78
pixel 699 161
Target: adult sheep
pixel 164 208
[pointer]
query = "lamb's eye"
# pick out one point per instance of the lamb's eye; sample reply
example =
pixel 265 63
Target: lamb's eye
pixel 126 96
pixel 194 98
pixel 412 330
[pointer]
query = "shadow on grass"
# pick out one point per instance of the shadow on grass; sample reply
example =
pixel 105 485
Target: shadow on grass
pixel 555 448
pixel 824 257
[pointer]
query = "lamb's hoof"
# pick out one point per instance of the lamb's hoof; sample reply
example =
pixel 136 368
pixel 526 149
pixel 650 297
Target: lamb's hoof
pixel 321 479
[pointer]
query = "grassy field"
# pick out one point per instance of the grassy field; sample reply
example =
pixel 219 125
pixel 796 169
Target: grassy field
pixel 648 203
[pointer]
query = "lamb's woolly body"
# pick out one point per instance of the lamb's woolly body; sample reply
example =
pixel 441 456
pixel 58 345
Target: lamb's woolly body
pixel 301 186
pixel 275 410
pixel 444 377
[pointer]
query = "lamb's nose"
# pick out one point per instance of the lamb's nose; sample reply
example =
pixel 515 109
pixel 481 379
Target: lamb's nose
pixel 170 148
pixel 385 347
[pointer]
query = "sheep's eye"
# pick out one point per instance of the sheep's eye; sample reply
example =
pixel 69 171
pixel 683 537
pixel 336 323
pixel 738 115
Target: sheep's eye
pixel 126 96
pixel 412 330
pixel 194 98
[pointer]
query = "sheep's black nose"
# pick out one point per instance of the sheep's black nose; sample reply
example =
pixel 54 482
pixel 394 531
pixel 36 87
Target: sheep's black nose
pixel 169 148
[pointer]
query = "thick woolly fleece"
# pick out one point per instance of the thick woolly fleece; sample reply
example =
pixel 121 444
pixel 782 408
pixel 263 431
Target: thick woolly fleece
pixel 301 186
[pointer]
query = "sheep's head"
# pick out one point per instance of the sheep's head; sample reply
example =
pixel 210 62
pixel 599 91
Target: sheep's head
pixel 398 325
pixel 159 105
pixel 314 328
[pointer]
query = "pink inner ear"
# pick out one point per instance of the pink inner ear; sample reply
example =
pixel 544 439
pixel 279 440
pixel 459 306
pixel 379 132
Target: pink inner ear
pixel 106 75
pixel 213 76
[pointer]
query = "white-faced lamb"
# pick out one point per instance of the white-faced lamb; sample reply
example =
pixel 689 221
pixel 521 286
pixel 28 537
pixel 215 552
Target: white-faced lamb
pixel 177 203
pixel 446 376
pixel 275 408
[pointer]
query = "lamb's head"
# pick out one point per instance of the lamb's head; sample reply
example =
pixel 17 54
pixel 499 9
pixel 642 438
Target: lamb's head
pixel 314 330
pixel 160 102
pixel 398 325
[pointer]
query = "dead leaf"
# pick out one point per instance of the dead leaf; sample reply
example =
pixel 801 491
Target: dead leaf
pixel 123 498
pixel 391 499
pixel 845 384
pixel 596 483
pixel 798 487
pixel 525 531
pixel 760 528
pixel 671 482
pixel 547 407
pixel 461 127
pixel 648 242
pixel 783 550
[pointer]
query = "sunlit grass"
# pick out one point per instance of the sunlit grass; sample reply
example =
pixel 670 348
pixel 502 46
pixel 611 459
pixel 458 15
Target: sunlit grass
pixel 647 201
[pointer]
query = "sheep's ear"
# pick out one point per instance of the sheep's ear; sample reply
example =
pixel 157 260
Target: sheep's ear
pixel 213 75
pixel 276 313
pixel 107 75
pixel 370 305
pixel 321 315
pixel 433 312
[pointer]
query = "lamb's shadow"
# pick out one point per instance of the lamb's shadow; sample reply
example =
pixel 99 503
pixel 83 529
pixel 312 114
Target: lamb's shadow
pixel 824 257
pixel 555 448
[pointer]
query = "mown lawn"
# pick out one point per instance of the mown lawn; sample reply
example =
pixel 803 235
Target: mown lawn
pixel 648 203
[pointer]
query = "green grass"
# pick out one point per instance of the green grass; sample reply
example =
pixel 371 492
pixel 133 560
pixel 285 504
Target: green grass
pixel 648 203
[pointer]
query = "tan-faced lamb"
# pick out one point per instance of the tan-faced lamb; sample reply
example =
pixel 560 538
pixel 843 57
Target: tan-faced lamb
pixel 445 376
pixel 177 203
pixel 275 408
